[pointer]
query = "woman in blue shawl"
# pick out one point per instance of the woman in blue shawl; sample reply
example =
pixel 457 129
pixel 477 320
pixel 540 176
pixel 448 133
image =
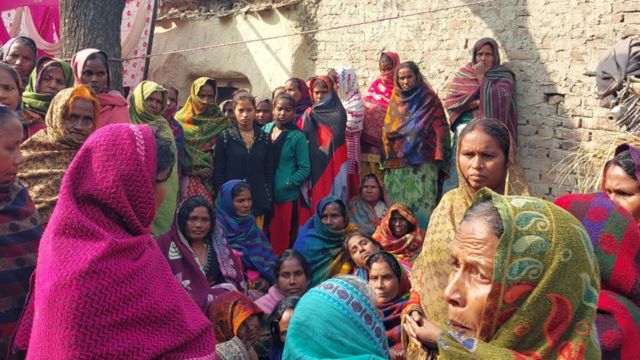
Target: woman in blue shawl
pixel 320 240
pixel 240 229
pixel 348 326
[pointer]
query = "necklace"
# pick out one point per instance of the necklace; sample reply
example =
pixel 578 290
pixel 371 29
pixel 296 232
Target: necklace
pixel 204 248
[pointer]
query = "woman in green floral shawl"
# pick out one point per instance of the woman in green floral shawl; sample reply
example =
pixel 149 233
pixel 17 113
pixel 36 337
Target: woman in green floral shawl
pixel 542 295
pixel 48 77
pixel 202 121
pixel 146 106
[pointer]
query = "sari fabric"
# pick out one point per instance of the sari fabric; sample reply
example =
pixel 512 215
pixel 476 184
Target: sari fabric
pixel 392 320
pixel 305 101
pixel 36 104
pixel 497 92
pixel 431 269
pixel 544 291
pixel 243 234
pixel 321 246
pixel 376 101
pixel 349 94
pixel 404 248
pixel 202 281
pixel 47 156
pixel 201 125
pixel 348 325
pixel 98 249
pixel 616 241
pixel 619 62
pixel 228 313
pixel 141 115
pixel 20 232
pixel 415 128
pixel 365 217
pixel 325 125
pixel 113 106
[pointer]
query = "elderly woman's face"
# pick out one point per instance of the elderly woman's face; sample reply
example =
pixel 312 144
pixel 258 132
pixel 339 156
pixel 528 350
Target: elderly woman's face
pixel 623 190
pixel 472 259
pixel 79 120
pixel 333 218
pixel 249 331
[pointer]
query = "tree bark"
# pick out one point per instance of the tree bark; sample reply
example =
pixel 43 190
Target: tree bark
pixel 93 24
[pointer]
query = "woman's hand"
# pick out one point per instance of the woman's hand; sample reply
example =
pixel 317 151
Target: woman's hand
pixel 423 335
pixel 481 69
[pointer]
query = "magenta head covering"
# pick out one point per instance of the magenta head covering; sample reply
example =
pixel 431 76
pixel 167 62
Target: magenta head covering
pixel 103 288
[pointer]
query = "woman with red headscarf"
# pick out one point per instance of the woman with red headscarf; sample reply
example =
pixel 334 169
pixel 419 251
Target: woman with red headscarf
pixel 324 124
pixel 376 102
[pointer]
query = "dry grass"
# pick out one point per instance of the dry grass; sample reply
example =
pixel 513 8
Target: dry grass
pixel 584 167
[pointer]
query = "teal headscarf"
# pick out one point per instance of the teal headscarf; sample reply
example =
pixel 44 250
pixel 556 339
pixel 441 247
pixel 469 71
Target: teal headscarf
pixel 347 327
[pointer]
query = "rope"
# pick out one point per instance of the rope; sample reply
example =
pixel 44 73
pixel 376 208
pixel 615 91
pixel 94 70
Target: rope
pixel 311 31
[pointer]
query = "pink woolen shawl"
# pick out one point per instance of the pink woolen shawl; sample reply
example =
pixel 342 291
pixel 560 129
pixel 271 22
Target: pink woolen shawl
pixel 103 288
pixel 113 106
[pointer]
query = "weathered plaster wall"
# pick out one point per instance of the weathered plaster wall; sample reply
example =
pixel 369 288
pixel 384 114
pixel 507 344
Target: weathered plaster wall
pixel 266 64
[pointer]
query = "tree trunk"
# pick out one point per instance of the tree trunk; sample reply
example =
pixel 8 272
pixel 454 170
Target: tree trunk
pixel 93 24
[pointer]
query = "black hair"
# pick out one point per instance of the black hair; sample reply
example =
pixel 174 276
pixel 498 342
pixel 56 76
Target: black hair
pixel 23 40
pixel 7 113
pixel 287 97
pixel 287 303
pixel 494 128
pixel 13 73
pixel 384 57
pixel 99 55
pixel 243 96
pixel 239 187
pixel 625 161
pixel 389 259
pixel 413 67
pixel 273 93
pixel 296 81
pixel 187 208
pixel 166 157
pixel 345 246
pixel 320 82
pixel 291 253
pixel 489 213
pixel 341 205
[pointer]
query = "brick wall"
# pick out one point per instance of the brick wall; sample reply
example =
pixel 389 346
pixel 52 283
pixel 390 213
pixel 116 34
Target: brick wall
pixel 549 44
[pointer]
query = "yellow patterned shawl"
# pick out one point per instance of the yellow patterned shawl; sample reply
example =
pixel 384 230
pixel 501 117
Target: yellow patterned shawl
pixel 47 155
pixel 430 272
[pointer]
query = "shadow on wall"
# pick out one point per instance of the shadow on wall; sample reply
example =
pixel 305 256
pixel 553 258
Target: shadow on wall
pixel 544 125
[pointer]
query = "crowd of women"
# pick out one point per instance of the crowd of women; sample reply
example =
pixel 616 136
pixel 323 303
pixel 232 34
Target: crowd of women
pixel 317 223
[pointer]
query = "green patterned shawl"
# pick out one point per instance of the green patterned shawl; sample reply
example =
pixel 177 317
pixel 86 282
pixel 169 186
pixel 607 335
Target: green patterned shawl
pixel 542 303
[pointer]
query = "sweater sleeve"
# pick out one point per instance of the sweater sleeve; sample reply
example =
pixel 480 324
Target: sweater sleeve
pixel 220 163
pixel 269 170
pixel 303 163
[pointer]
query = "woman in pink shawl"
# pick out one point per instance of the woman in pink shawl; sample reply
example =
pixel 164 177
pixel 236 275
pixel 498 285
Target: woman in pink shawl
pixel 91 67
pixel 102 287
pixel 376 102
